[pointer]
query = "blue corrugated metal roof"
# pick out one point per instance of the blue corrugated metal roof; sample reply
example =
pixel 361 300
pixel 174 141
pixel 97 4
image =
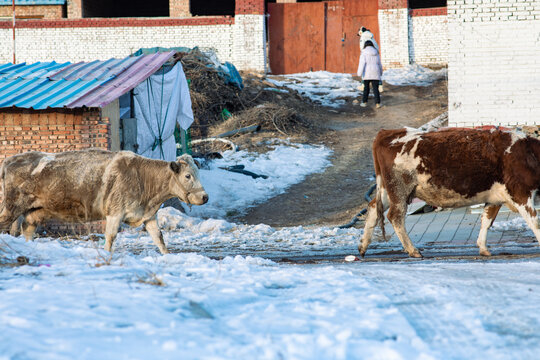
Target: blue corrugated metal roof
pixel 93 84
pixel 33 2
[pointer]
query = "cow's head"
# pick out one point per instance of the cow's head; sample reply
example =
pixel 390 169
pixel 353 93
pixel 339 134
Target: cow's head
pixel 185 183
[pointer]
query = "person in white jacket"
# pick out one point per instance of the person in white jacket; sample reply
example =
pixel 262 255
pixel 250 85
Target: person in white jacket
pixel 370 69
pixel 367 35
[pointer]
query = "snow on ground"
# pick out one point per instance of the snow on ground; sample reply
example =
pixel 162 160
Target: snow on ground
pixel 331 89
pixel 413 75
pixel 517 223
pixel 73 302
pixel 285 165
pixel 323 87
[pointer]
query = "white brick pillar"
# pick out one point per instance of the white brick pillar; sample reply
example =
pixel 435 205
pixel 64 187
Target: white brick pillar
pixel 249 35
pixel 249 39
pixel 394 35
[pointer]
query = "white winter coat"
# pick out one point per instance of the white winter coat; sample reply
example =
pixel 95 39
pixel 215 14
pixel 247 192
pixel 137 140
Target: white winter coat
pixel 370 67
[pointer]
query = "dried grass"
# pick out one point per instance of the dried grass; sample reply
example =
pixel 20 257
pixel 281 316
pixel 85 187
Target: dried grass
pixel 269 116
pixel 151 278
pixel 209 93
pixel 256 103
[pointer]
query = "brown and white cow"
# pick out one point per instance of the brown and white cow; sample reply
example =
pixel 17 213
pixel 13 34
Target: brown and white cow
pixel 453 168
pixel 89 185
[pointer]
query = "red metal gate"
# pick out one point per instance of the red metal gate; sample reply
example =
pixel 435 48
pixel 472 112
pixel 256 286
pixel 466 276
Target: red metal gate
pixel 296 37
pixel 318 35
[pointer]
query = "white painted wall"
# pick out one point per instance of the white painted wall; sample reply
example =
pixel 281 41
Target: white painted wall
pixel 494 62
pixel 428 40
pixel 394 36
pixel 241 43
pixel 409 39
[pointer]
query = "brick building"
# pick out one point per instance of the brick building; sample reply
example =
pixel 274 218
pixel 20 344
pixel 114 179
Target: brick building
pixel 413 31
pixel 494 67
pixel 81 30
pixel 85 30
pixel 54 107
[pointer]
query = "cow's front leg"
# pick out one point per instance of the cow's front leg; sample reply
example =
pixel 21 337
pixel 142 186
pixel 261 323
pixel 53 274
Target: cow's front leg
pixel 488 216
pixel 371 222
pixel 29 223
pixel 153 228
pixel 396 215
pixel 16 228
pixel 111 229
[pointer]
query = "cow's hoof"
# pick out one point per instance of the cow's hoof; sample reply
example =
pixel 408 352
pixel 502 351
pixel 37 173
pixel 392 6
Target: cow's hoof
pixel 484 252
pixel 362 252
pixel 415 254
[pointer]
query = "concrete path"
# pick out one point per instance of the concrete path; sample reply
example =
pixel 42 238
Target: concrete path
pixel 454 232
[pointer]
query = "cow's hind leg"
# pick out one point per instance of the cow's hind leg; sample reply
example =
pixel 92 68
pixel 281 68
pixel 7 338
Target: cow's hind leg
pixel 396 215
pixel 111 229
pixel 488 216
pixel 153 228
pixel 7 218
pixel 528 213
pixel 373 215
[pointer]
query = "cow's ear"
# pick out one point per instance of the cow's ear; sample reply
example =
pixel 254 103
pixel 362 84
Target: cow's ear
pixel 197 163
pixel 175 167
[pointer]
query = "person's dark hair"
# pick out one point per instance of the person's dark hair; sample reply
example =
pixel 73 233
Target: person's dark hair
pixel 368 43
pixel 364 29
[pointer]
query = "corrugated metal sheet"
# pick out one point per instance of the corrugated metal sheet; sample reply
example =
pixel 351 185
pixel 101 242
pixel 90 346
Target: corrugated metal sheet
pixel 93 84
pixel 33 2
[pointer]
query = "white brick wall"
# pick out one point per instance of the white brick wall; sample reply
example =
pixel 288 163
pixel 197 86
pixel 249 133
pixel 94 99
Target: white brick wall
pixel 249 42
pixel 409 39
pixel 428 40
pixel 494 62
pixel 241 43
pixel 394 35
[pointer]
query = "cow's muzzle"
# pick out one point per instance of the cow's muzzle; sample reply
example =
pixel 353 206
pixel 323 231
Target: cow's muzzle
pixel 198 198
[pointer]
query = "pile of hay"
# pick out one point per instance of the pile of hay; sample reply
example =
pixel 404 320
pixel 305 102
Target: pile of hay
pixel 209 92
pixel 269 116
pixel 254 104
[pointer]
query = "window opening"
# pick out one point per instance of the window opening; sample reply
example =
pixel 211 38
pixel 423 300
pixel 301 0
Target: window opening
pixel 125 8
pixel 423 4
pixel 211 7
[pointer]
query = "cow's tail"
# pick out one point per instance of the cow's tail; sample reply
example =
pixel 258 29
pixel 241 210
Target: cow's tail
pixel 380 206
pixel 380 188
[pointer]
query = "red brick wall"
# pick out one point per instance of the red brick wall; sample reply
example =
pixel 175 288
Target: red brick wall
pixel 54 131
pixel 249 7
pixel 428 11
pixel 51 131
pixel 118 22
pixel 38 11
pixel 393 4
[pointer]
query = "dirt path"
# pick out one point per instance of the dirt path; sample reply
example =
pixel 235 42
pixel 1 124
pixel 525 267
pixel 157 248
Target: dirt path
pixel 336 195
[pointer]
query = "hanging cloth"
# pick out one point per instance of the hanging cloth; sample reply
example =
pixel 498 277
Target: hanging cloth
pixel 160 102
